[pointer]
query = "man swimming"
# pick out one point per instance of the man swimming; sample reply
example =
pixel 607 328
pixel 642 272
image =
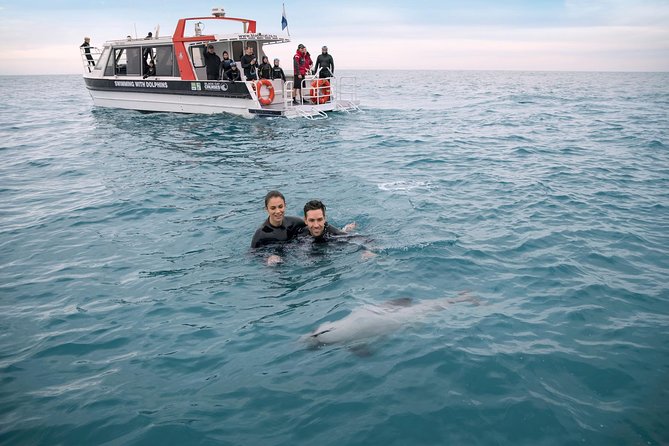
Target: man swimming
pixel 316 224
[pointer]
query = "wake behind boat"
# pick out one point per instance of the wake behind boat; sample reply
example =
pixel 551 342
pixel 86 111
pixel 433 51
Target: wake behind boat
pixel 168 74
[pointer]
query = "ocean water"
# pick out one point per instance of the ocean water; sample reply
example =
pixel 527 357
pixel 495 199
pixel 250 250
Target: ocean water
pixel 134 313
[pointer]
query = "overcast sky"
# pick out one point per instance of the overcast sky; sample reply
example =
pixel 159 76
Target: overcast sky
pixel 43 36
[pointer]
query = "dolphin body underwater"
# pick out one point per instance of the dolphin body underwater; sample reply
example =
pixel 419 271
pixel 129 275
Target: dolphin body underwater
pixel 370 321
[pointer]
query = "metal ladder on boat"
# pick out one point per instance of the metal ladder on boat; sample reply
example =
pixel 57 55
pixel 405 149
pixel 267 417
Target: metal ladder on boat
pixel 347 106
pixel 311 113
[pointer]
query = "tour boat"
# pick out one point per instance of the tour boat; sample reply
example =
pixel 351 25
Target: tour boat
pixel 168 74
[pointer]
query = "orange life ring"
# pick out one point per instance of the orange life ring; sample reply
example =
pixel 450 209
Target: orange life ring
pixel 322 85
pixel 267 83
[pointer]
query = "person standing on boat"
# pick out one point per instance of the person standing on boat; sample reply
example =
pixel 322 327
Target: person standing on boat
pixel 87 51
pixel 300 68
pixel 325 62
pixel 225 64
pixel 212 62
pixel 277 71
pixel 307 57
pixel 265 69
pixel 249 65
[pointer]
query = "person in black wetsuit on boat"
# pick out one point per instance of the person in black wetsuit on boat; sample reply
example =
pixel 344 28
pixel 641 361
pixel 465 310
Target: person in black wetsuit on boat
pixel 326 64
pixel 212 62
pixel 250 65
pixel 265 69
pixel 225 65
pixel 87 51
pixel 232 73
pixel 277 71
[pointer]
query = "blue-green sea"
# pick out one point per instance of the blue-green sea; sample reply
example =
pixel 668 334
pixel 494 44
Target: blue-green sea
pixel 133 312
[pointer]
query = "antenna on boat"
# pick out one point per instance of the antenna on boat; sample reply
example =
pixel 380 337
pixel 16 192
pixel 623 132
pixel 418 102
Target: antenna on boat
pixel 156 30
pixel 218 12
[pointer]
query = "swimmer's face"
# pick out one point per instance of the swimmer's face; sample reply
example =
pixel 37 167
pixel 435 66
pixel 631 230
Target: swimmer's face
pixel 276 208
pixel 315 221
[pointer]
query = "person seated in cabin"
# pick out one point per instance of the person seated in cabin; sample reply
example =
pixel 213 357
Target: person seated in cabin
pixel 277 71
pixel 225 64
pixel 249 65
pixel 149 70
pixel 265 69
pixel 232 74
pixel 212 62
pixel 87 51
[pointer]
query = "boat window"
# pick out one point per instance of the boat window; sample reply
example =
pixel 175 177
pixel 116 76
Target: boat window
pixel 237 50
pixel 197 55
pixel 102 59
pixel 223 46
pixel 126 62
pixel 117 63
pixel 164 60
pixel 134 61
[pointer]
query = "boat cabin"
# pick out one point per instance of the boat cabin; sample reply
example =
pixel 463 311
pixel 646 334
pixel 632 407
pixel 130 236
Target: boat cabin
pixel 156 56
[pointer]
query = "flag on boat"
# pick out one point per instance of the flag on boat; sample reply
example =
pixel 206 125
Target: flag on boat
pixel 284 21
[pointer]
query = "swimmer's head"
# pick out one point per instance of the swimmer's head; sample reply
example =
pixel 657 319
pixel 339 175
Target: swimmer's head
pixel 313 205
pixel 314 217
pixel 274 193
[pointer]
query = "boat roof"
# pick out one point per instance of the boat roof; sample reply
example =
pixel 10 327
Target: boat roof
pixel 248 33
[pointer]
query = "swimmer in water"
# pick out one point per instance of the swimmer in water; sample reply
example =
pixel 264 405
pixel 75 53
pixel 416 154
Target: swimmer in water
pixel 278 227
pixel 319 231
pixel 316 224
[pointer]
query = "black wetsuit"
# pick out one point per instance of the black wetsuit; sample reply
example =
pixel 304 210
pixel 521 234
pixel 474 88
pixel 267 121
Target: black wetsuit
pixel 268 234
pixel 328 232
pixel 265 71
pixel 231 75
pixel 87 51
pixel 326 62
pixel 277 73
pixel 225 66
pixel 249 67
pixel 213 64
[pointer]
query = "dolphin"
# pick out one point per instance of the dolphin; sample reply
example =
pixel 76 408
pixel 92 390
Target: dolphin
pixel 371 320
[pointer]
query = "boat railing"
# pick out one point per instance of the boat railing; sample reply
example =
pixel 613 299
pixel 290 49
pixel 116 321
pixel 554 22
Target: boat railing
pixel 343 91
pixel 90 57
pixel 347 89
pixel 287 93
